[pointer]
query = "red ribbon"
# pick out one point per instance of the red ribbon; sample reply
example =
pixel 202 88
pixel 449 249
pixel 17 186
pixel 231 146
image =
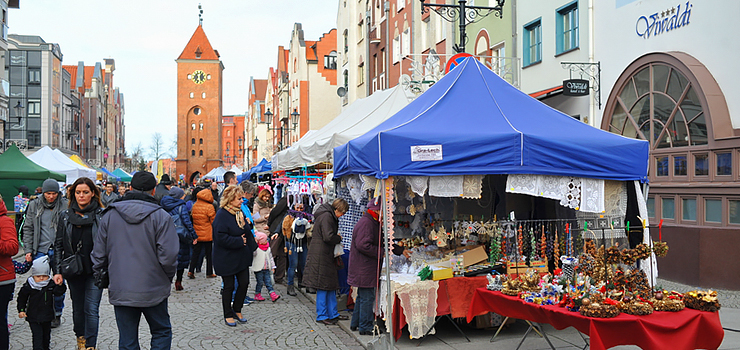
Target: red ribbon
pixel 660 230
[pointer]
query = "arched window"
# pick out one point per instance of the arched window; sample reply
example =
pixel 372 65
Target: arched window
pixel 192 141
pixel 192 153
pixel 201 141
pixel 193 126
pixel 658 103
pixel 201 153
pixel 201 125
pixel 228 133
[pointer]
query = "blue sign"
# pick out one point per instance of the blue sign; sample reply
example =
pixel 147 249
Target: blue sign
pixel 663 21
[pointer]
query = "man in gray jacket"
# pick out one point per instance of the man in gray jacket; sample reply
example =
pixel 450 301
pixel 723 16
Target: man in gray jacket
pixel 40 231
pixel 137 245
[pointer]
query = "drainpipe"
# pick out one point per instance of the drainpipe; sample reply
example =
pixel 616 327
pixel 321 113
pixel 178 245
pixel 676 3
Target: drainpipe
pixel 514 43
pixel 367 48
pixel 387 64
pixel 591 49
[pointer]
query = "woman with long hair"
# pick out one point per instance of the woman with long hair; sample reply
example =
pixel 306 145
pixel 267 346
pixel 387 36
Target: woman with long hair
pixel 233 246
pixel 261 212
pixel 76 231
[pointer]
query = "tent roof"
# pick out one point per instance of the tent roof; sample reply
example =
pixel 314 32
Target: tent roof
pixel 483 125
pixel 110 174
pixel 216 173
pixel 361 116
pixel 261 167
pixel 124 176
pixel 14 165
pixel 236 170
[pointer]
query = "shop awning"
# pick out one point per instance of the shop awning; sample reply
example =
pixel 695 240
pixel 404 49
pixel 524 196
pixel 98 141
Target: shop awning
pixel 473 122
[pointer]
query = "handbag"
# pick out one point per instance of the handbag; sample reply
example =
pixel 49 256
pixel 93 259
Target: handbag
pixel 338 262
pixel 71 266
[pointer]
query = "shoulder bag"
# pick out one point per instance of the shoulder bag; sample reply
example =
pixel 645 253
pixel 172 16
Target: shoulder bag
pixel 71 266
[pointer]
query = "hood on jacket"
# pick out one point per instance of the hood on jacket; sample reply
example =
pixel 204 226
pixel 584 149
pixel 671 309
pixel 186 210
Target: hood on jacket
pixel 3 208
pixel 324 209
pixel 168 203
pixel 205 196
pixel 134 210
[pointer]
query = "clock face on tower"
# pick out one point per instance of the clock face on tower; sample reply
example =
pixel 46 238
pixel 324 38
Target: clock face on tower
pixel 198 77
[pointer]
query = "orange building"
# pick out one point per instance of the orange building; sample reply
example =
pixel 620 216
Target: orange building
pixel 199 107
pixel 233 141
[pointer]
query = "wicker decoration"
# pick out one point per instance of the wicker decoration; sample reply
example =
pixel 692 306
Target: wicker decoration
pixel 668 305
pixel 599 310
pixel 660 248
pixel 637 308
pixel 702 300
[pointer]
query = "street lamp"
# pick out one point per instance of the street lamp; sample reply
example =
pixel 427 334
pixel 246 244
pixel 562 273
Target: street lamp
pixel 464 15
pixel 294 119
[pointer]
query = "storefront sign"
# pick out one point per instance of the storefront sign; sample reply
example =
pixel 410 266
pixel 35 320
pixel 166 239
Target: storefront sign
pixel 663 21
pixel 426 152
pixel 575 87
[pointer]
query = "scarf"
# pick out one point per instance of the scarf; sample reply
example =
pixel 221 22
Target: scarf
pixel 264 247
pixel 237 212
pixel 262 204
pixel 56 209
pixel 374 215
pixel 37 285
pixel 83 216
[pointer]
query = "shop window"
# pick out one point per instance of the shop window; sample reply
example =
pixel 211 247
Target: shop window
pixel 735 211
pixel 533 42
pixel 566 28
pixel 651 207
pixel 724 164
pixel 701 164
pixel 688 209
pixel 669 208
pixel 713 210
pixel 679 166
pixel 661 168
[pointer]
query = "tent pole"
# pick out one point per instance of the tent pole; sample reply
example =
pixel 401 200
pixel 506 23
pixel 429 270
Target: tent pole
pixel 389 295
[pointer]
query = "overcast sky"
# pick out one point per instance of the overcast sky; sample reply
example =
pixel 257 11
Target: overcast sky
pixel 145 38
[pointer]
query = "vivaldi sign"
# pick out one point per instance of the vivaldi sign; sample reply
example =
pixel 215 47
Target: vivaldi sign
pixel 575 87
pixel 663 21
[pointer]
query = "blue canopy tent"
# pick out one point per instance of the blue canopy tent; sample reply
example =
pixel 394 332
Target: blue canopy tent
pixel 263 166
pixel 476 123
pixel 110 174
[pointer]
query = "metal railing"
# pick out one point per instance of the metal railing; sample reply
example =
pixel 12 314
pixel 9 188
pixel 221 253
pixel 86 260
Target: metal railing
pixel 427 69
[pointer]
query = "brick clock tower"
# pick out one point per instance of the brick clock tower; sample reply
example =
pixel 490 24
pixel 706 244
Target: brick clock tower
pixel 199 87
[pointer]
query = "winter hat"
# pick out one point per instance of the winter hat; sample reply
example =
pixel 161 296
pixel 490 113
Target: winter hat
pixel 177 192
pixel 374 204
pixel 165 180
pixel 143 181
pixel 50 185
pixel 261 237
pixel 41 267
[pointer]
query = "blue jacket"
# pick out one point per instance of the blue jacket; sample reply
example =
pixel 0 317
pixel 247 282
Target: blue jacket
pixel 230 254
pixel 171 204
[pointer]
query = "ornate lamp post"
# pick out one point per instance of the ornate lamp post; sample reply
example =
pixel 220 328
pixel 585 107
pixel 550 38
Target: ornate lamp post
pixel 294 119
pixel 464 15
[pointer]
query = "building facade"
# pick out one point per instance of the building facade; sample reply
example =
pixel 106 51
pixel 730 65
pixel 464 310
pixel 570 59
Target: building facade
pixel 4 83
pixel 199 107
pixel 255 131
pixel 666 79
pixel 233 140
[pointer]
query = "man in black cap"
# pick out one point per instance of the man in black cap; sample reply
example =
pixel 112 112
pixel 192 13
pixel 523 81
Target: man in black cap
pixel 137 245
pixel 163 189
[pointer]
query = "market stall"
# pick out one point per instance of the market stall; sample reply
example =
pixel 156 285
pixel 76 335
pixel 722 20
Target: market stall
pixel 17 170
pixel 216 174
pixel 122 175
pixel 57 161
pixel 110 175
pixel 75 158
pixel 472 140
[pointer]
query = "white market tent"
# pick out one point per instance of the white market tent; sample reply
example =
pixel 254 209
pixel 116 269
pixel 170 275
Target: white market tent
pixel 216 174
pixel 236 170
pixel 361 116
pixel 55 160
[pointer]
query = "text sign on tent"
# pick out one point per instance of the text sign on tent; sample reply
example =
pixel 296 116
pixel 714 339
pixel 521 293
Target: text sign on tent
pixel 575 87
pixel 455 60
pixel 426 152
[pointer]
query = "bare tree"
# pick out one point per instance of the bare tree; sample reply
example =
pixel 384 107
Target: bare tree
pixel 157 147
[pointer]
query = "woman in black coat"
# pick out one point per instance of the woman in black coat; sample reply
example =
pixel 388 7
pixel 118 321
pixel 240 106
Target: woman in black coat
pixel 320 271
pixel 233 245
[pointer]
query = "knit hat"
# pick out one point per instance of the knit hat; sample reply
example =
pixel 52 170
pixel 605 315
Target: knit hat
pixel 260 237
pixel 374 204
pixel 143 181
pixel 176 192
pixel 41 267
pixel 50 185
pixel 165 180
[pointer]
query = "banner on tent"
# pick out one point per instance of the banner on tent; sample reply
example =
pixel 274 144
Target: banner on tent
pixel 426 152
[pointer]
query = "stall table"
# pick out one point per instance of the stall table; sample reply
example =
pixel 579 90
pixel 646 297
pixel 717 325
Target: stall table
pixel 686 329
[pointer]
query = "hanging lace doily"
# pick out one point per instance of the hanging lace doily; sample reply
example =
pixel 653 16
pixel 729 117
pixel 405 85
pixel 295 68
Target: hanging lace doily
pixel 419 302
pixel 418 184
pixel 522 184
pixel 446 186
pixel 649 267
pixel 472 185
pixel 354 185
pixel 389 209
pixel 572 197
pixel 368 182
pixel 592 195
pixel 615 198
pixel 553 187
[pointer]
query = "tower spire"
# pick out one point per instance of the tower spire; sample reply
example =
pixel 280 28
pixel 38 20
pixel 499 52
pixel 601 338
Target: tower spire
pixel 200 15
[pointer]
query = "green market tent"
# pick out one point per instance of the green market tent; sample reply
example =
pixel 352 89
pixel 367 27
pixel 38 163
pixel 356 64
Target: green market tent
pixel 124 176
pixel 17 170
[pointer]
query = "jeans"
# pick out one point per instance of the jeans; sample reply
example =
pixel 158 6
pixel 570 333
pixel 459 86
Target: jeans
pixel 326 305
pixel 85 305
pixel 263 277
pixel 58 299
pixel 344 288
pixel 296 260
pixel 196 253
pixel 41 334
pixel 363 316
pixel 234 307
pixel 6 295
pixel 127 319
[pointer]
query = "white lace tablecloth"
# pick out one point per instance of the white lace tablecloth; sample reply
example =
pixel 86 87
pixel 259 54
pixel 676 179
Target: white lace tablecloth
pixel 418 300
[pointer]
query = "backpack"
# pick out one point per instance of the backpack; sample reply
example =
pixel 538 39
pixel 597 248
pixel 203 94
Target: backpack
pixel 182 230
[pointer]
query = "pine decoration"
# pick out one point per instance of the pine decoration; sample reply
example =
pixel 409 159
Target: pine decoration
pixel 533 244
pixel 543 245
pixel 520 242
pixel 556 253
pixel 495 249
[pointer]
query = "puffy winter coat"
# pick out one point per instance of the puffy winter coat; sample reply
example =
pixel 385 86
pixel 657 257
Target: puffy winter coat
pixel 320 271
pixel 8 246
pixel 230 254
pixel 171 204
pixel 260 215
pixel 362 271
pixel 203 216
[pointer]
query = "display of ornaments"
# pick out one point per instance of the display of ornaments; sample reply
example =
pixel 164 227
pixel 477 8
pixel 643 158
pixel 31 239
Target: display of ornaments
pixel 637 308
pixel 702 300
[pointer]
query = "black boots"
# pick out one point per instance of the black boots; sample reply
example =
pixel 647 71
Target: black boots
pixel 291 290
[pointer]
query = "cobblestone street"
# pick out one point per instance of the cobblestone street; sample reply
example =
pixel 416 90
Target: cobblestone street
pixel 197 323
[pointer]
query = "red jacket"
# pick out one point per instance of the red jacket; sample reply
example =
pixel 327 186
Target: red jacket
pixel 8 244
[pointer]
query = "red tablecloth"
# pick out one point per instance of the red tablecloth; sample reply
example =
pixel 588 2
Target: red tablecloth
pixel 461 290
pixel 686 329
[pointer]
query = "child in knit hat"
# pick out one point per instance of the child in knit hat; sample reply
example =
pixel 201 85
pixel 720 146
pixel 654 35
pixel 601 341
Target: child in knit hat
pixel 263 266
pixel 36 302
